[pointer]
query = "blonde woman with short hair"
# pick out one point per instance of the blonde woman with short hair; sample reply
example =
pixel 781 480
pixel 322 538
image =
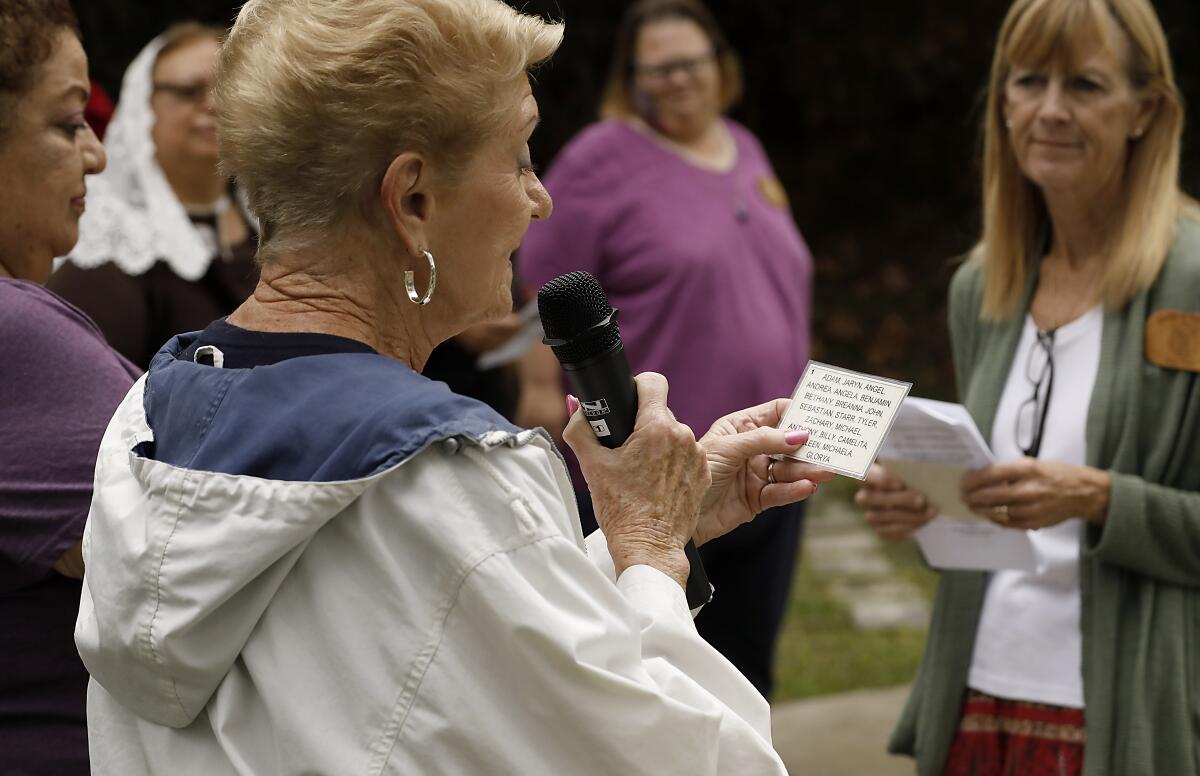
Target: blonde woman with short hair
pixel 1076 334
pixel 59 384
pixel 305 557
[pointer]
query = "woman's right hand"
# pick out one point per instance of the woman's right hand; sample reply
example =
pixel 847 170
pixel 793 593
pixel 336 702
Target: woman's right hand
pixel 646 492
pixel 891 507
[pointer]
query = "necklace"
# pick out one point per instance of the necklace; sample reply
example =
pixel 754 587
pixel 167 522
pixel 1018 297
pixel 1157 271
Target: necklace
pixel 214 208
pixel 207 221
pixel 1062 296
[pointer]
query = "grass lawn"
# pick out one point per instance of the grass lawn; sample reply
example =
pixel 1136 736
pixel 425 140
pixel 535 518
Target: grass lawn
pixel 820 651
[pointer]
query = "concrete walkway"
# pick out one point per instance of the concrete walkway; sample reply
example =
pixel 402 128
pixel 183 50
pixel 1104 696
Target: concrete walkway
pixel 846 734
pixel 840 735
pixel 847 555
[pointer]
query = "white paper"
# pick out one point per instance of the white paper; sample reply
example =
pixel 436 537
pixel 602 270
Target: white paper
pixel 936 431
pixel 518 344
pixel 847 415
pixel 975 545
pixel 932 444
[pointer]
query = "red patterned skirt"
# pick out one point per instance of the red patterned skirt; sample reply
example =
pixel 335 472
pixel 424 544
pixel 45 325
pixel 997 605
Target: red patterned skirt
pixel 997 737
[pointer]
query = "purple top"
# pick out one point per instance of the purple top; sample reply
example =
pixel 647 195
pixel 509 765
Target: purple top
pixel 710 274
pixel 60 385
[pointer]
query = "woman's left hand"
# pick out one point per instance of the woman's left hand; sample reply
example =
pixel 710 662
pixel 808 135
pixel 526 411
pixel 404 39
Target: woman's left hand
pixel 1033 493
pixel 737 447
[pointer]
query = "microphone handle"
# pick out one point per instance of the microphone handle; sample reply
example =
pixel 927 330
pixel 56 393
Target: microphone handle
pixel 608 399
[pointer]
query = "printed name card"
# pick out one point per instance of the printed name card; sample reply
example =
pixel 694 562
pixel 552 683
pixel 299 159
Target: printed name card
pixel 847 414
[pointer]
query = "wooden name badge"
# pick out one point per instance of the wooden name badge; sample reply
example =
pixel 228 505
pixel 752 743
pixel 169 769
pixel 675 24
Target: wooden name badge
pixel 1173 340
pixel 772 191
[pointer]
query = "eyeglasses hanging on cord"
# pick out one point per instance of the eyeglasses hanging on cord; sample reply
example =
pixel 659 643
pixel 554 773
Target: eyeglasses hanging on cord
pixel 1031 415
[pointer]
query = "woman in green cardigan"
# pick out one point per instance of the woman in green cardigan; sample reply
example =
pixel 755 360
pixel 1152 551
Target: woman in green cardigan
pixel 1076 336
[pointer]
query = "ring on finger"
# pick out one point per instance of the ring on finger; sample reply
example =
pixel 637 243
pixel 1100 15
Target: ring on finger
pixel 1001 512
pixel 771 472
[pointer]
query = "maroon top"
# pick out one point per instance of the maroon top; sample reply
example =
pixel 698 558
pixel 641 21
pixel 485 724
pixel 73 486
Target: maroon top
pixel 139 313
pixel 708 269
pixel 59 385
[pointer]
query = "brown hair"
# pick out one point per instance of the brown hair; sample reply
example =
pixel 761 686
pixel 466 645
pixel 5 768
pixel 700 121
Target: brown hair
pixel 1053 32
pixel 180 34
pixel 618 92
pixel 28 29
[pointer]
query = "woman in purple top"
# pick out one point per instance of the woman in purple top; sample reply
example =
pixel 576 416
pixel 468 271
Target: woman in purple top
pixel 59 384
pixel 678 212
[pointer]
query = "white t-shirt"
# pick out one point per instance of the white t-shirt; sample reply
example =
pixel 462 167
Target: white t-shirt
pixel 1028 646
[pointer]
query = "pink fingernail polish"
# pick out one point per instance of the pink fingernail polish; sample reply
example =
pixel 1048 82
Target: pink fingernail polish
pixel 572 405
pixel 795 437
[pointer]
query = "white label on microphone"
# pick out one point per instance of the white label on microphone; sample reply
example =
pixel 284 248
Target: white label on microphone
pixel 848 415
pixel 600 427
pixel 594 409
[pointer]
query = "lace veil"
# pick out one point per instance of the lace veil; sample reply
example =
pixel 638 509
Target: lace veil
pixel 133 217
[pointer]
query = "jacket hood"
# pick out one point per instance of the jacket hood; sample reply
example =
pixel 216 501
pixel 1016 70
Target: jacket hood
pixel 180 566
pixel 209 485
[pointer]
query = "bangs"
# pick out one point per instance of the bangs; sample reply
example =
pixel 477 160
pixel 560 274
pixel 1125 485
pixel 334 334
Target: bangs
pixel 1060 35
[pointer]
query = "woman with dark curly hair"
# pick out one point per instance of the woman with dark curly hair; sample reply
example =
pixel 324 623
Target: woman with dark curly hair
pixel 59 384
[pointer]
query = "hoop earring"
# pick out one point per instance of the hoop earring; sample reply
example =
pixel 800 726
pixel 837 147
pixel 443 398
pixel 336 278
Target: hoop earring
pixel 411 288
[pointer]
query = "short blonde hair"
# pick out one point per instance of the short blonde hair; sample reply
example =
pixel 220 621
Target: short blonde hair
pixel 315 98
pixel 1055 32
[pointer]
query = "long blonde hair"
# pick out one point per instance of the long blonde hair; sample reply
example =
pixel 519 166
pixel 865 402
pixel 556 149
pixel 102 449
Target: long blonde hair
pixel 1045 31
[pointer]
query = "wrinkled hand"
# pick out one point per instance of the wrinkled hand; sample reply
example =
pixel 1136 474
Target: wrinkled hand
pixel 646 492
pixel 1032 493
pixel 737 447
pixel 891 507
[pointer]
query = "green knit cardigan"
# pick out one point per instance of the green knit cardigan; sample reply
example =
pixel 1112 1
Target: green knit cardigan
pixel 1139 572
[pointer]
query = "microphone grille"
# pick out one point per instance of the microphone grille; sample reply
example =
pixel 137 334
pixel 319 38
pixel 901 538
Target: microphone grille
pixel 571 305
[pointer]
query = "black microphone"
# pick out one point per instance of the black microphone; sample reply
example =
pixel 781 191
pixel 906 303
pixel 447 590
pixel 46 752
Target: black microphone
pixel 581 329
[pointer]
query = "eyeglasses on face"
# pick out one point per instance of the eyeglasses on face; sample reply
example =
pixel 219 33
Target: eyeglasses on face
pixel 195 93
pixel 662 73
pixel 1031 415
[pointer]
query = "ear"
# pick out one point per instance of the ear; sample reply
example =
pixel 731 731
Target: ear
pixel 1146 110
pixel 407 199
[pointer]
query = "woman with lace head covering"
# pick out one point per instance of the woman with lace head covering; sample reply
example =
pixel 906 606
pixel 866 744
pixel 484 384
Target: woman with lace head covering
pixel 165 246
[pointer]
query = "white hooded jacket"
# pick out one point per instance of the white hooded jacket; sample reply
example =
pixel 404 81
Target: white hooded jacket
pixel 439 614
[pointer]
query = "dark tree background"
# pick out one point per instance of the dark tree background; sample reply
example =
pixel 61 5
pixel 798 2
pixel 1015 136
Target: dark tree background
pixel 868 109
